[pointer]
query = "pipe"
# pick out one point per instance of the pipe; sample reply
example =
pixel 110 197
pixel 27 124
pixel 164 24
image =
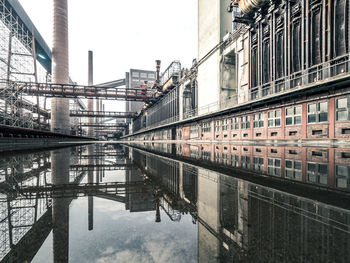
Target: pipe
pixel 158 72
pixel 60 121
pixel 247 6
pixel 90 102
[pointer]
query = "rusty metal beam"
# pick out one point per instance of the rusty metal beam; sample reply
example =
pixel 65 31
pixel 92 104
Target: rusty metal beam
pixel 77 91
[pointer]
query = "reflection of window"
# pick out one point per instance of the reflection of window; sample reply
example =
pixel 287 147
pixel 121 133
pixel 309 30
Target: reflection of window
pixel 144 75
pixel 342 109
pixel 217 157
pixel 151 76
pixel 293 115
pixel 194 154
pixel 234 160
pixel 245 122
pixel 135 74
pixel 258 163
pixel 317 173
pixel 206 156
pixel 234 123
pixel 293 170
pixel 206 127
pixel 225 158
pixel 342 174
pixel 274 166
pixel 274 118
pixel 258 120
pixel 245 162
pixel 194 129
pixel 317 112
pixel 225 125
pixel 217 126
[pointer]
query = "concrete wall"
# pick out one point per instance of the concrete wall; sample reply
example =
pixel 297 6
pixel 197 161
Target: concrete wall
pixel 213 23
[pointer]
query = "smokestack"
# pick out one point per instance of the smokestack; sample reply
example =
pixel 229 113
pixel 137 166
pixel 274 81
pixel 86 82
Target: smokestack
pixel 60 121
pixel 158 72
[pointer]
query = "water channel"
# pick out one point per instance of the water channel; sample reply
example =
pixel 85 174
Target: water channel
pixel 152 202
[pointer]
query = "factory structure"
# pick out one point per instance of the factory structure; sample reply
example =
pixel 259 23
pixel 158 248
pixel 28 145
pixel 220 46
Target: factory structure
pixel 266 70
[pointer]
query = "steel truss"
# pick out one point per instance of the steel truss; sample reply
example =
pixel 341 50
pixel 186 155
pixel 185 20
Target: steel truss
pixel 78 91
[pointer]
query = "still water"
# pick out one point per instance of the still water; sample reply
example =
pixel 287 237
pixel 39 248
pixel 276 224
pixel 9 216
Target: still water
pixel 175 203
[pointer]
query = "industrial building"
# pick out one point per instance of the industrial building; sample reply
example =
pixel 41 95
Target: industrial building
pixel 266 71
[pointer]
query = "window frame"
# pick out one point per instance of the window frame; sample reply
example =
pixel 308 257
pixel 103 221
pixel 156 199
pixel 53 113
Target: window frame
pixel 343 109
pixel 294 115
pixel 245 122
pixel 259 122
pixel 235 123
pixel 317 112
pixel 225 124
pixel 274 118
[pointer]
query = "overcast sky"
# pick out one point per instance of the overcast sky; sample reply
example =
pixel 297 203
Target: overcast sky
pixel 122 34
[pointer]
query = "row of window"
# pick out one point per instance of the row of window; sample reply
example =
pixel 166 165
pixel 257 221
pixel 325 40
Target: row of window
pixel 316 112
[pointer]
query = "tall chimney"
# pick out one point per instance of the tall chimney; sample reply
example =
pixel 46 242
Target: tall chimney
pixel 60 121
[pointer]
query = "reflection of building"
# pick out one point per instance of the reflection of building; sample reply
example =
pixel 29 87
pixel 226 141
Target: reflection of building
pixel 138 202
pixel 243 221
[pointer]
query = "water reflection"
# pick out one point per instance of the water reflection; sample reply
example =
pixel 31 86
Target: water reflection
pixel 176 203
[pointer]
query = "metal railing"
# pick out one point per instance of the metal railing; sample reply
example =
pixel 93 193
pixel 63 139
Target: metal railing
pixel 336 68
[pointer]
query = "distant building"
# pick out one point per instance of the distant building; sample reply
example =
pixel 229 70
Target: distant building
pixel 134 79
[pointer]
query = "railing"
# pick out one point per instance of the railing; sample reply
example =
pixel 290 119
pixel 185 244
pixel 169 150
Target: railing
pixel 339 67
pixel 174 68
pixel 76 91
pixel 77 113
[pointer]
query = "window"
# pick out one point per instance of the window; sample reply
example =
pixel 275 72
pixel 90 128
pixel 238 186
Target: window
pixel 245 122
pixel 194 129
pixel 293 115
pixel 144 75
pixel 151 76
pixel 274 118
pixel 317 173
pixel 234 123
pixel 317 112
pixel 258 120
pixel 342 109
pixel 293 170
pixel 274 166
pixel 206 127
pixel 135 74
pixel 225 125
pixel 217 126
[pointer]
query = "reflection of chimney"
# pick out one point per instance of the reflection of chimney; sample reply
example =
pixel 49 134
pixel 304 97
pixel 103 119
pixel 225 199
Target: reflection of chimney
pixel 157 212
pixel 158 72
pixel 60 206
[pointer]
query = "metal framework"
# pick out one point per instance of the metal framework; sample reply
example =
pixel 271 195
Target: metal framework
pixel 103 114
pixel 76 91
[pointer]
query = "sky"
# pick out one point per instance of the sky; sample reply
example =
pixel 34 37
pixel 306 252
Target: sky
pixel 122 34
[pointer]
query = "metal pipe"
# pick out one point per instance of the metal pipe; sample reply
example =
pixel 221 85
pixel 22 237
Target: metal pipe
pixel 60 121
pixel 90 103
pixel 158 72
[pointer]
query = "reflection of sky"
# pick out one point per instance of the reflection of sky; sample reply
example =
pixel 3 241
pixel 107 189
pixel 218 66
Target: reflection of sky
pixel 121 236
